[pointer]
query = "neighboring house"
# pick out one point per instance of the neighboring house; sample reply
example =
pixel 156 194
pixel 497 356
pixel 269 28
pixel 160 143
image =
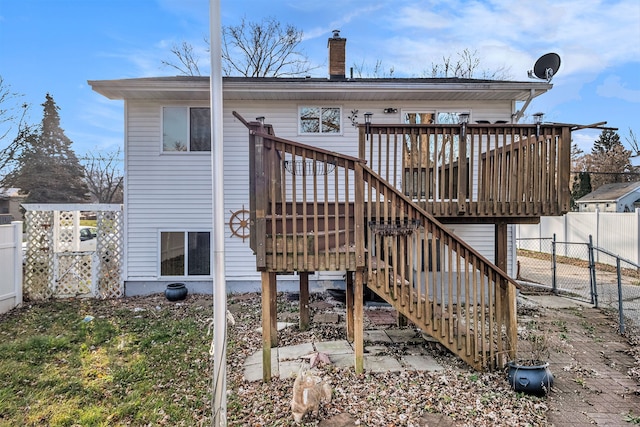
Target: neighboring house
pixel 616 197
pixel 167 195
pixel 10 202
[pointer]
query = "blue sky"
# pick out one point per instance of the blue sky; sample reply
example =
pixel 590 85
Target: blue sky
pixel 56 46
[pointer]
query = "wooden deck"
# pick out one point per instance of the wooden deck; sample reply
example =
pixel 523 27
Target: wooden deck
pixel 380 219
pixel 475 173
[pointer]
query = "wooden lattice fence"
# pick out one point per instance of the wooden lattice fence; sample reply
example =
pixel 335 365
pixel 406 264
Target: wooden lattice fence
pixel 56 266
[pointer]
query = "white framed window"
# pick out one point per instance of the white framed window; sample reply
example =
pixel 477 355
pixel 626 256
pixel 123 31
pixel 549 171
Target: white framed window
pixel 186 129
pixel 430 117
pixel 450 117
pixel 418 117
pixel 185 253
pixel 319 120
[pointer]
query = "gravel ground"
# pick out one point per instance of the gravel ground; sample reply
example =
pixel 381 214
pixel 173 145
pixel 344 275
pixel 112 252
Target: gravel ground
pixel 460 395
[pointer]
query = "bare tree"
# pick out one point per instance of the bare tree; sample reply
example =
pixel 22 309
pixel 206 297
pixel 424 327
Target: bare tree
pixel 251 49
pixel 188 62
pixel 13 114
pixel 104 176
pixel 378 70
pixel 467 66
pixel 632 140
pixel 263 49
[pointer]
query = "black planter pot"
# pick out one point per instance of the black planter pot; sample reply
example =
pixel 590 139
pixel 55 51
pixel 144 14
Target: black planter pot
pixel 536 379
pixel 175 291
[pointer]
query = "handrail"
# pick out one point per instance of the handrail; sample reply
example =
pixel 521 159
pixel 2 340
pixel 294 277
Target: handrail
pixel 456 291
pixel 339 214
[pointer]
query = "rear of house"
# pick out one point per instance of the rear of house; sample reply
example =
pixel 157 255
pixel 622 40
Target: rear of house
pixel 167 200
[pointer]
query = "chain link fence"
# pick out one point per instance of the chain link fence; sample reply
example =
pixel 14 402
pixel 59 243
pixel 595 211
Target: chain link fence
pixel 584 272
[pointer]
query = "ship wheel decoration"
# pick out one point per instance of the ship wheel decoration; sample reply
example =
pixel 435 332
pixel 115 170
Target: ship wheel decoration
pixel 239 223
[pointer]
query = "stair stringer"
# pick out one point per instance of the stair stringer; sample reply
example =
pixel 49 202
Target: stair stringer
pixel 484 333
pixel 457 346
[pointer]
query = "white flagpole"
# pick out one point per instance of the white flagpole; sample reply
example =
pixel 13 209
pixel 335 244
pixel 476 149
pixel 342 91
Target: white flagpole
pixel 219 401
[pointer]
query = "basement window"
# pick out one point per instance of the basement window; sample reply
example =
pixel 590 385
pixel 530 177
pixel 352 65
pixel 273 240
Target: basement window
pixel 319 120
pixel 186 129
pixel 185 253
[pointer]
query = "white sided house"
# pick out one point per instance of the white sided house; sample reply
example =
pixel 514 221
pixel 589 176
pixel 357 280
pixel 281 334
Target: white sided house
pixel 168 194
pixel 615 197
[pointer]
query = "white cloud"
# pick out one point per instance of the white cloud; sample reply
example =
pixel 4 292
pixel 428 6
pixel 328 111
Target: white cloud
pixel 613 88
pixel 589 35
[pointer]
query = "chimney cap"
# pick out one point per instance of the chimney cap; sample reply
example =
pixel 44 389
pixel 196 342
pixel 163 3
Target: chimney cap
pixel 336 34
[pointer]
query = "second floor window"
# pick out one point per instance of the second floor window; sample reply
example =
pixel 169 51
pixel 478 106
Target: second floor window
pixel 320 120
pixel 186 129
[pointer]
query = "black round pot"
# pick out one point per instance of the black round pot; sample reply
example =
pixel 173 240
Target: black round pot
pixel 175 291
pixel 536 379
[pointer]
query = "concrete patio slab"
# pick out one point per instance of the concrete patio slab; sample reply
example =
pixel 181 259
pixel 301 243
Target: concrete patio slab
pixel 376 336
pixel 342 360
pixel 382 364
pixel 293 352
pixel 290 368
pixel 401 335
pixel 375 350
pixel 422 363
pixel 334 347
pixel 253 371
pixel 256 357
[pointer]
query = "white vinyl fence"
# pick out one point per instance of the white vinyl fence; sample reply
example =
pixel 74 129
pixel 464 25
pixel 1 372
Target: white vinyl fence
pixel 10 265
pixel 615 232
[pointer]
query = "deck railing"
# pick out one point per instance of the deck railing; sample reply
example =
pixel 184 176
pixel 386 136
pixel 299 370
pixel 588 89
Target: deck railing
pixel 315 210
pixel 303 207
pixel 516 171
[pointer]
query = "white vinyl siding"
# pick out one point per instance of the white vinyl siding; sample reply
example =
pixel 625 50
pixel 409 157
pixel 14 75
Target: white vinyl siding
pixel 163 191
pixel 173 192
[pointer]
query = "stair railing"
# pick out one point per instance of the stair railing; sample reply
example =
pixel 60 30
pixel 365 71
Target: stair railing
pixel 315 210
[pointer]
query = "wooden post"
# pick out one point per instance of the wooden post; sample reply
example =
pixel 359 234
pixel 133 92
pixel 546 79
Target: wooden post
pixel 501 245
pixel 505 292
pixel 358 317
pixel 304 301
pixel 267 287
pixel 349 295
pixel 501 262
pixel 463 171
pixel 564 171
pixel 273 300
pixel 401 320
pixel 512 321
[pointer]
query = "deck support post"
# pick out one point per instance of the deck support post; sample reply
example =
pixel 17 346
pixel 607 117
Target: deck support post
pixel 273 300
pixel 304 301
pixel 268 286
pixel 349 302
pixel 358 315
pixel 511 314
pixel 501 245
pixel 505 295
pixel 402 320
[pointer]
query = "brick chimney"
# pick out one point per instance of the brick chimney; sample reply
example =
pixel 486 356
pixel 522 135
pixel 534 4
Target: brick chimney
pixel 337 55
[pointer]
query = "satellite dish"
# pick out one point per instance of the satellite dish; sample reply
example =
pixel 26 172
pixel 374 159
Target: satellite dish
pixel 546 67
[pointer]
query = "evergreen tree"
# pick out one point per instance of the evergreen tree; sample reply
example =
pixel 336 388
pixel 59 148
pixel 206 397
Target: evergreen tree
pixel 48 170
pixel 606 142
pixel 580 188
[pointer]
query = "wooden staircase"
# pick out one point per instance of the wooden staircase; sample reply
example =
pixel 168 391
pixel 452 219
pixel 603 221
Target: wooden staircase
pixel 317 210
